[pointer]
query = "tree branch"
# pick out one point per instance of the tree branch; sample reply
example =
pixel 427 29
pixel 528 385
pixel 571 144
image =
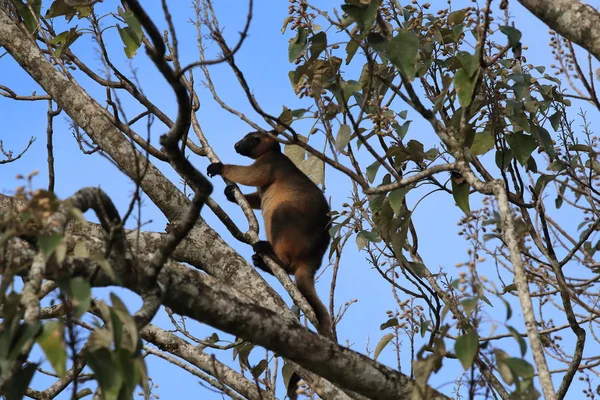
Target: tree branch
pixel 189 293
pixel 572 19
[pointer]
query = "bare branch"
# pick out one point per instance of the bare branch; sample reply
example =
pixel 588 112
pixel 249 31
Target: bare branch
pixel 9 154
pixel 7 92
pixel 170 342
pixel 226 56
pixel 411 179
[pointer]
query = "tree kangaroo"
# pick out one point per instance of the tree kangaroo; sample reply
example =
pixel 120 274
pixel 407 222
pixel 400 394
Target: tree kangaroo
pixel 295 213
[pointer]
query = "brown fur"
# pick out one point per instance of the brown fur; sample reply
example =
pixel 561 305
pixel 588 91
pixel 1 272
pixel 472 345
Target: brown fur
pixel 294 210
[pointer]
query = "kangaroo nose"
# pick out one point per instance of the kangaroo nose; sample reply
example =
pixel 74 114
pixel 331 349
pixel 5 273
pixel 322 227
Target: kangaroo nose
pixel 237 146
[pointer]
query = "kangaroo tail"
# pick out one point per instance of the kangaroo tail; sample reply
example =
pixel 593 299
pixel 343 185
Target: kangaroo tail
pixel 305 280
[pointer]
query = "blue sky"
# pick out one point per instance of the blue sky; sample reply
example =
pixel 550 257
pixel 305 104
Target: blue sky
pixel 264 60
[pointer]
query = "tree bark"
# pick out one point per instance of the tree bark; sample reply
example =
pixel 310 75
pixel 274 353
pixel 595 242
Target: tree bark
pixel 190 293
pixel 203 247
pixel 572 19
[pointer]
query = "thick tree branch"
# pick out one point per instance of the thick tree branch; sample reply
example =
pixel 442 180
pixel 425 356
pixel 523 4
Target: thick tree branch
pixel 203 247
pixel 189 293
pixel 147 242
pixel 572 19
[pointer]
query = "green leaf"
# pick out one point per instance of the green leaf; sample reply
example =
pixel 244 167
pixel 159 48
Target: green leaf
pixel 402 50
pixel 36 6
pixel 142 372
pixel 522 146
pixel 343 137
pixel 214 338
pixel 520 367
pixel 399 236
pixel 243 351
pixel 259 368
pixel 286 116
pixel 555 120
pixel 401 130
pixel 364 15
pixel 531 165
pixel 417 268
pixel 286 373
pixel 422 369
pixel 432 154
pixel 466 347
pixel 83 393
pixel 376 202
pixel 286 21
pixel 296 153
pixel 389 323
pixel 514 35
pixel 298 45
pixel 80 292
pixel 508 288
pixel 314 168
pixel 129 372
pixel 20 382
pixel 396 196
pixel 460 192
pixel 503 369
pixel 542 182
pixel 415 149
pixel 560 196
pixel 503 158
pixel 49 243
pixel 130 327
pixel 334 245
pixel 469 134
pixel 30 20
pixel 543 136
pixel 508 308
pixel 318 43
pixel 104 266
pixel 371 236
pixel 557 166
pixel 53 343
pixel 457 17
pixel 351 49
pixel 381 345
pixel 61 8
pixel 106 371
pixel 22 335
pixel 84 11
pixel 465 86
pixel 372 171
pixel 468 61
pixel 469 304
pixel 130 40
pixel 58 8
pixel 299 112
pixel 423 325
pixel 519 339
pixel 482 143
pixel 133 24
pixel 361 241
